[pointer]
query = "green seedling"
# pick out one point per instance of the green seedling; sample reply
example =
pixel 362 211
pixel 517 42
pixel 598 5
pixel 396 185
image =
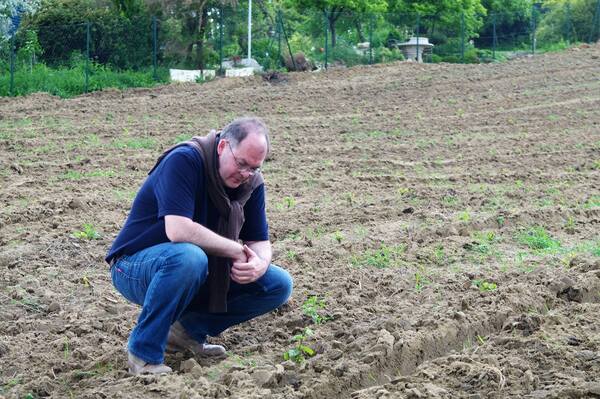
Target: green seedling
pixel 482 242
pixel 338 236
pixel 286 203
pixel 592 202
pixel 480 339
pixel 66 349
pixel 311 308
pixel 291 255
pixel 464 216
pixel 380 258
pixel 421 279
pixel 537 238
pixel 500 220
pixel 570 225
pixel 88 232
pixel 299 352
pixel 484 286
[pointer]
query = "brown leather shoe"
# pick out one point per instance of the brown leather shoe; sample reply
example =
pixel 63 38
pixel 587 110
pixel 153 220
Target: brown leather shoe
pixel 138 366
pixel 179 341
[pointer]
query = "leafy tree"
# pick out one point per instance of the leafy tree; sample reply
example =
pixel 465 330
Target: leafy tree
pixel 11 11
pixel 334 9
pixel 512 18
pixel 568 20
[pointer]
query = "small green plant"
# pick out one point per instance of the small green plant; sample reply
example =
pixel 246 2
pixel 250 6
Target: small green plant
pixel 380 258
pixel 421 279
pixel 464 216
pixel 286 203
pixel 88 233
pixel 299 352
pixel 311 308
pixel 500 220
pixel 592 202
pixel 291 255
pixel 570 225
pixel 484 286
pixel 538 238
pixel 338 236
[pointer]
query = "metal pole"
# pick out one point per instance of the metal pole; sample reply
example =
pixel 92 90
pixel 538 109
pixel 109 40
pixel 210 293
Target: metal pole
pixel 87 55
pixel 462 37
pixel 418 33
pixel 12 65
pixel 221 41
pixel 532 29
pixel 495 38
pixel 568 22
pixel 595 23
pixel 154 47
pixel 371 23
pixel 249 29
pixel 279 33
pixel 326 39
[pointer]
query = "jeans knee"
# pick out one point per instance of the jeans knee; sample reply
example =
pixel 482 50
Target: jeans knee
pixel 284 285
pixel 190 263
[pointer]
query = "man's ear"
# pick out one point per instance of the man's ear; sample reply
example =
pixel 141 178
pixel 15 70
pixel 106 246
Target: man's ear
pixel 221 146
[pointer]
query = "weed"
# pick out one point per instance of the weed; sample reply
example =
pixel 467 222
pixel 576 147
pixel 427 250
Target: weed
pixel 135 143
pixel 480 339
pixel 299 352
pixel 592 202
pixel 485 286
pixel 380 258
pixel 537 238
pixel 291 255
pixel 482 243
pixel 464 216
pixel 570 225
pixel 311 308
pixel 286 203
pixel 439 254
pixel 421 279
pixel 338 236
pixel 350 198
pixel 88 232
pixel 500 220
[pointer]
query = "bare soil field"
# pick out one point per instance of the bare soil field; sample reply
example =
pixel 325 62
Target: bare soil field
pixel 441 223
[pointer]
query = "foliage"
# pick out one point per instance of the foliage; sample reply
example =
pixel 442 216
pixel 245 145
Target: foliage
pixel 88 233
pixel 70 81
pixel 567 20
pixel 484 285
pixel 311 308
pixel 380 258
pixel 299 352
pixel 538 238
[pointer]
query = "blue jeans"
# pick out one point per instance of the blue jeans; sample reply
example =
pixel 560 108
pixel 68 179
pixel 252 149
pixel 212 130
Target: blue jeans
pixel 168 280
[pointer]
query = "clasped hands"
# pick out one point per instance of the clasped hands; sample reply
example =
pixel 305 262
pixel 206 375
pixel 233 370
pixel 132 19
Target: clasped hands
pixel 247 267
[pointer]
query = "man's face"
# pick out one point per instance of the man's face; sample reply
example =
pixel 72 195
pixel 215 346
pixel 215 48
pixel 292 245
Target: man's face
pixel 237 162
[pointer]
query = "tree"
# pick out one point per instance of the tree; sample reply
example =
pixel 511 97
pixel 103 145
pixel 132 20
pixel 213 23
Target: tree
pixel 444 14
pixel 10 14
pixel 334 9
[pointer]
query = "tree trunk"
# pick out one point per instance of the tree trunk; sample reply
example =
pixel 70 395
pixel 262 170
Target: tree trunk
pixel 359 32
pixel 200 42
pixel 332 17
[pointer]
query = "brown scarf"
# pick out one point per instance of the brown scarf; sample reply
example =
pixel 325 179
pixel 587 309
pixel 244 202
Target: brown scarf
pixel 231 213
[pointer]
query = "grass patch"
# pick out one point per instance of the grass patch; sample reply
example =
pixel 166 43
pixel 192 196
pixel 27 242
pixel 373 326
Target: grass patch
pixel 135 143
pixel 380 258
pixel 70 82
pixel 538 239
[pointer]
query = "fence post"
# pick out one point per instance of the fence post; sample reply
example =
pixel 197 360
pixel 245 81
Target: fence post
pixel 221 41
pixel 418 33
pixel 595 23
pixel 12 65
pixel 462 36
pixel 533 29
pixel 494 37
pixel 371 23
pixel 87 55
pixel 326 39
pixel 568 27
pixel 154 48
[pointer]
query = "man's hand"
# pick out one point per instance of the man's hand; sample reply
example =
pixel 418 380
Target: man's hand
pixel 249 271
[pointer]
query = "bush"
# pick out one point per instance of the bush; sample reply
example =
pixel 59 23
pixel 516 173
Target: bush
pixel 384 54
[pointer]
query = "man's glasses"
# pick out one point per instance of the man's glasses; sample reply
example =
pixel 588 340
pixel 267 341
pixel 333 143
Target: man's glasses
pixel 242 166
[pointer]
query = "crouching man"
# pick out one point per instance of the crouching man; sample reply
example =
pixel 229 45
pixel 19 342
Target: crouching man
pixel 179 254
